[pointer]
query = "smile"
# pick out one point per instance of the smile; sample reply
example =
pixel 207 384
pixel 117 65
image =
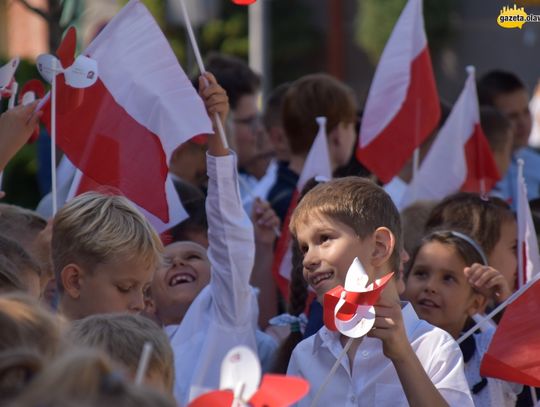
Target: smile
pixel 315 280
pixel 428 303
pixel 181 278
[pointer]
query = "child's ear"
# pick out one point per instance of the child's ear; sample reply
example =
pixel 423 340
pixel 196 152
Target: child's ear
pixel 477 304
pixel 72 277
pixel 384 246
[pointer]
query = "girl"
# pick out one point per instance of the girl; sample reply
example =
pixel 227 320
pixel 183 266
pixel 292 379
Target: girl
pixel 437 286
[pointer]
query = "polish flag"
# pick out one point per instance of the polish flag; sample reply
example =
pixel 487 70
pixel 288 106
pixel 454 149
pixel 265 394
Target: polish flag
pixel 120 132
pixel 402 107
pixel 317 164
pixel 528 258
pixel 460 157
pixel 514 352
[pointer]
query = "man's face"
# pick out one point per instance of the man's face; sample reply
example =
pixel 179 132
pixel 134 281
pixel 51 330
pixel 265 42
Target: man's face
pixel 247 129
pixel 515 106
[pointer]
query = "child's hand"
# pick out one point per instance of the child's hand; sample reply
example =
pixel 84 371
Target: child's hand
pixel 215 98
pixel 265 221
pixel 16 127
pixel 488 281
pixel 389 327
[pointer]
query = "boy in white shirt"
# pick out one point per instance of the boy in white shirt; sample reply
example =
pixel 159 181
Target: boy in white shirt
pixel 402 360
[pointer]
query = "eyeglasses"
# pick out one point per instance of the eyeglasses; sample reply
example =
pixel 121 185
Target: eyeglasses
pixel 254 121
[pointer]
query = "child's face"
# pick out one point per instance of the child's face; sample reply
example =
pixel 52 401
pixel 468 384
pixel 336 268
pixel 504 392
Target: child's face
pixel 515 106
pixel 437 288
pixel 185 273
pixel 329 247
pixel 503 257
pixel 116 286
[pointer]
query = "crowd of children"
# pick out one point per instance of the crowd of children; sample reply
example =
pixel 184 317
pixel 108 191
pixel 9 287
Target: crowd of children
pixel 83 292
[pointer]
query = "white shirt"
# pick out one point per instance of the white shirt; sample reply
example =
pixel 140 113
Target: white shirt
pixel 374 380
pixel 497 393
pixel 222 315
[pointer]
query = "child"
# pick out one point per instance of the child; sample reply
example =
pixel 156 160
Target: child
pixel 437 287
pixel 86 378
pixel 490 222
pixel 203 298
pixel 306 99
pixel 122 337
pixel 104 254
pixel 403 359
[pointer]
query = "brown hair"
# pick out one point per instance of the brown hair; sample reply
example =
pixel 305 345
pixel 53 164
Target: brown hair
pixel 356 202
pixel 93 228
pixel 312 96
pixel 122 337
pixel 25 323
pixel 17 368
pixel 86 377
pixel 480 218
pixel 20 224
pixel 10 279
pixel 18 256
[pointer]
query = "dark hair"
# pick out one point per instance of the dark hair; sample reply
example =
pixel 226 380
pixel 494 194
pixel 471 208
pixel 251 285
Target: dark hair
pixel 273 106
pixel 19 223
pixel 234 75
pixel 18 367
pixel 10 279
pixel 465 246
pixel 310 97
pixel 478 217
pixel 193 200
pixel 495 126
pixel 495 83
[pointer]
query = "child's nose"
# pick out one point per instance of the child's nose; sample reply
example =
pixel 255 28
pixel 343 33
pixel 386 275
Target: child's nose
pixel 310 260
pixel 137 303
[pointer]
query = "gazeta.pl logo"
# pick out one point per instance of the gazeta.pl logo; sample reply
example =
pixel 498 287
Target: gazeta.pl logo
pixel 515 17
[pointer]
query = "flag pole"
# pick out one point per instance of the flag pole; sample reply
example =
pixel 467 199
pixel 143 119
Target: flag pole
pixel 143 363
pixel 197 52
pixel 521 266
pixel 498 309
pixel 53 138
pixel 13 97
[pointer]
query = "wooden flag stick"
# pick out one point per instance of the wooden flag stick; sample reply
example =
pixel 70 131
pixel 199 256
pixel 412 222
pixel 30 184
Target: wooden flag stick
pixel 53 139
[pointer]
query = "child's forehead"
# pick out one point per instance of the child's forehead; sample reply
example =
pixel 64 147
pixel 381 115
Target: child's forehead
pixel 316 220
pixel 179 248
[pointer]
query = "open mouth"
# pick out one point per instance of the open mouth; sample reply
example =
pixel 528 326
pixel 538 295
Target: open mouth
pixel 181 278
pixel 319 278
pixel 428 303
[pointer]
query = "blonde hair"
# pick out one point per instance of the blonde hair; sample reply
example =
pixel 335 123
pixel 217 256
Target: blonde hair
pixel 122 337
pixel 356 202
pixel 93 227
pixel 86 377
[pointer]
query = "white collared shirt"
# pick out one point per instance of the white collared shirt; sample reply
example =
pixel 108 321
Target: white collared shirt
pixel 222 315
pixel 374 380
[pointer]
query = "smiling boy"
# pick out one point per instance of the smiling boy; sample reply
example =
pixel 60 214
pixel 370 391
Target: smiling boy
pixel 403 360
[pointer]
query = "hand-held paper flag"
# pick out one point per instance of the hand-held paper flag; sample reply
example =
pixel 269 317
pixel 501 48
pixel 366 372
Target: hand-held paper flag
pixel 528 257
pixel 317 164
pixel 240 384
pixel 460 157
pixel 402 107
pixel 350 309
pixel 32 90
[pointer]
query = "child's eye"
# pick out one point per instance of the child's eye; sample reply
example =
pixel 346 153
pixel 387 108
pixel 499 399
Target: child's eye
pixel 449 278
pixel 324 238
pixel 194 257
pixel 419 273
pixel 124 289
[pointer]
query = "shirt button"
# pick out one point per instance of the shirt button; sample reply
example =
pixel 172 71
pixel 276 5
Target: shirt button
pixel 353 399
pixel 365 353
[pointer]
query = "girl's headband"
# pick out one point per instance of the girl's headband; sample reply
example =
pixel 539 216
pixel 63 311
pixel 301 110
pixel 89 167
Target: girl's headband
pixel 471 242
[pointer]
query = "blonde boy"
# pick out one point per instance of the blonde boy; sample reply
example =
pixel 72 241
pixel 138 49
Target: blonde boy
pixel 403 359
pixel 104 255
pixel 122 337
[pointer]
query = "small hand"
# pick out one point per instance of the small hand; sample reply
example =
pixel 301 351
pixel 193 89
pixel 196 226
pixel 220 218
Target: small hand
pixel 488 281
pixel 214 96
pixel 265 221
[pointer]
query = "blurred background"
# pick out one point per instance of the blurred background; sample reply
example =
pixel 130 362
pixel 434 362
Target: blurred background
pixel 281 39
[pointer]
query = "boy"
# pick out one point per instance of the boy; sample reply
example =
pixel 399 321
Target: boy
pixel 306 99
pixel 203 297
pixel 104 255
pixel 122 337
pixel 403 359
pixel 508 94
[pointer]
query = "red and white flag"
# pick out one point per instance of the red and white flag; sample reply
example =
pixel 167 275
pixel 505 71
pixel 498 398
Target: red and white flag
pixel 317 164
pixel 402 107
pixel 528 257
pixel 121 132
pixel 460 157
